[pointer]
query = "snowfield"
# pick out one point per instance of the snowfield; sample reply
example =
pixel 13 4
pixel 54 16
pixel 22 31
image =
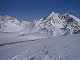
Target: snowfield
pixel 62 48
pixel 55 37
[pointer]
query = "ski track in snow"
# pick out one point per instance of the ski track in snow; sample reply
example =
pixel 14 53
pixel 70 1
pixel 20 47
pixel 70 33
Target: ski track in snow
pixel 64 48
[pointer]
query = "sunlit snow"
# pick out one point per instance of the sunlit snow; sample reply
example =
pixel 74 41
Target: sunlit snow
pixel 55 37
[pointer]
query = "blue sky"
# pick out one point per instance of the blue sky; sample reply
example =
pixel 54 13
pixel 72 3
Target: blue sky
pixel 37 8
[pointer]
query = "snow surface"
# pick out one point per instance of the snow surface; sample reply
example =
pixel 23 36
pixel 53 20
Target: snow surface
pixel 47 48
pixel 55 37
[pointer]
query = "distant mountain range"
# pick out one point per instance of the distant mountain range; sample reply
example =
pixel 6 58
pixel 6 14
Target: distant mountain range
pixel 55 24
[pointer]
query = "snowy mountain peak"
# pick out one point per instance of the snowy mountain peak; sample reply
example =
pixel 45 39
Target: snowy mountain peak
pixel 57 23
pixel 75 18
pixel 53 14
pixel 9 24
pixel 53 24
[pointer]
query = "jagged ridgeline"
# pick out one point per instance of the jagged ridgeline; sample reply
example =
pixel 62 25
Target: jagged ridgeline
pixel 60 23
pixel 54 24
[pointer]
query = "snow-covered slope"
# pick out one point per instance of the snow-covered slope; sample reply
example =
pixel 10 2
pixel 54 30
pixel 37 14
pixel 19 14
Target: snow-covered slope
pixel 62 48
pixel 9 24
pixel 59 24
pixel 37 41
pixel 26 27
pixel 55 24
pixel 12 24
